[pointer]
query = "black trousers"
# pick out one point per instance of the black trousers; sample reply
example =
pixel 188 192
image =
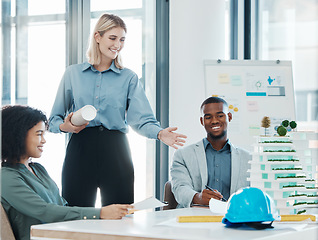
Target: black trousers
pixel 97 157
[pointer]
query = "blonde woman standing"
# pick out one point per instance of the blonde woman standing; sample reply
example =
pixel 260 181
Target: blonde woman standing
pixel 98 153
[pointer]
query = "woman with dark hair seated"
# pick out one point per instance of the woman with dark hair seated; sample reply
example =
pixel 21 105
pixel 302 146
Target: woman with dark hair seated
pixel 28 194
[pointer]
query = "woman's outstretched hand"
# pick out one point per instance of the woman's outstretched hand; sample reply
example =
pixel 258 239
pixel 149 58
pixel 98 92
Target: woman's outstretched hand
pixel 67 126
pixel 115 211
pixel 170 138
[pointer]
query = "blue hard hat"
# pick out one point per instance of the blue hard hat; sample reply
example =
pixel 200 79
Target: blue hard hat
pixel 250 205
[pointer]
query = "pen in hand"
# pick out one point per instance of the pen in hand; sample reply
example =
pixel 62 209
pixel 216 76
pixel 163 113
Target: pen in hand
pixel 223 199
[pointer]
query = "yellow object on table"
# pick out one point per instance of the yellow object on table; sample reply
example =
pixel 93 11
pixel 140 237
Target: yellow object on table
pixel 210 218
pixel 299 217
pixel 183 219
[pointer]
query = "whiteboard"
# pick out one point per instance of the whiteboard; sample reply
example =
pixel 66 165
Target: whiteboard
pixel 253 89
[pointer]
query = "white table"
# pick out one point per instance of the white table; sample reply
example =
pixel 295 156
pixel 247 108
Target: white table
pixel 162 225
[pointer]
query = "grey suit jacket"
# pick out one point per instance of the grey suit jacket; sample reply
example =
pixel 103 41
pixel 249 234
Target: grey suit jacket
pixel 190 175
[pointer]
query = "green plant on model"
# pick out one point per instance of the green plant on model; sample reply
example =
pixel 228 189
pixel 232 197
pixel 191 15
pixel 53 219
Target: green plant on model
pixel 282 129
pixel 301 211
pixel 293 124
pixel 285 123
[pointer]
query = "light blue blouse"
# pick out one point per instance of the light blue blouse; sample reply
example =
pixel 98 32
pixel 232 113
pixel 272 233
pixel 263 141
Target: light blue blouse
pixel 116 93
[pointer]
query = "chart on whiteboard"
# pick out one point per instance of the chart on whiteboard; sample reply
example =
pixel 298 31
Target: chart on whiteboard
pixel 265 84
pixel 253 89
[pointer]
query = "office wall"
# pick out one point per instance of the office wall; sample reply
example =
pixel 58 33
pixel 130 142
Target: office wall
pixel 197 33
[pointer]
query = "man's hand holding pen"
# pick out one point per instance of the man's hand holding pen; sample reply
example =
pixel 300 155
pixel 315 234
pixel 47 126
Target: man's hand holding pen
pixel 217 192
pixel 203 198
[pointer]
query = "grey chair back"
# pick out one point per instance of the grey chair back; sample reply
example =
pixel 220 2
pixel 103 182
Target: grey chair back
pixel 169 197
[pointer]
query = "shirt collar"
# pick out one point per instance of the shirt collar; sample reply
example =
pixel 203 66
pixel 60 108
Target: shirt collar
pixel 205 143
pixel 112 67
pixel 225 147
pixel 18 166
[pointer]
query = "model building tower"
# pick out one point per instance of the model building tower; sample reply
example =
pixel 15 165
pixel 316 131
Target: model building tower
pixel 285 167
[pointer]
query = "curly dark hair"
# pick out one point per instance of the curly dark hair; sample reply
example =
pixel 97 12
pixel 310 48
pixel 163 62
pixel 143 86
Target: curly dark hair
pixel 16 121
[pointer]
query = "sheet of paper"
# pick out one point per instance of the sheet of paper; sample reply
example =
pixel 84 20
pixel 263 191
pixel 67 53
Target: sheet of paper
pixel 252 106
pixel 224 78
pixel 217 206
pixel 236 80
pixel 148 203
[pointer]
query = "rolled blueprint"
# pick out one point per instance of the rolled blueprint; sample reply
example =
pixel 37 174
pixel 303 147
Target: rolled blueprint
pixel 83 115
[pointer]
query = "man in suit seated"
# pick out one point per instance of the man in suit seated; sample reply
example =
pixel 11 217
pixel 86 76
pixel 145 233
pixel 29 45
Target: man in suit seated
pixel 214 162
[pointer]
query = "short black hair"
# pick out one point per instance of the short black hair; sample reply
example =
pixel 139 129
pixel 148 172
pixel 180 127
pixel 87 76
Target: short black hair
pixel 16 121
pixel 214 100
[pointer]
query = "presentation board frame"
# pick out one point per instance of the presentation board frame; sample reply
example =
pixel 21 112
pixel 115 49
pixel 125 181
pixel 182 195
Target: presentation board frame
pixel 253 89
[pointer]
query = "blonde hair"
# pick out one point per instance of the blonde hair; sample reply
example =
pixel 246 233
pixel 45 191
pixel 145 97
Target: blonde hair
pixel 105 23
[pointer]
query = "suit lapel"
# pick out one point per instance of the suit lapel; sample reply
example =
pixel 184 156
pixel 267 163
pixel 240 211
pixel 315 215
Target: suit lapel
pixel 201 157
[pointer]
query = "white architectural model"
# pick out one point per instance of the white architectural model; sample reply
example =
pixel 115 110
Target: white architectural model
pixel 286 169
